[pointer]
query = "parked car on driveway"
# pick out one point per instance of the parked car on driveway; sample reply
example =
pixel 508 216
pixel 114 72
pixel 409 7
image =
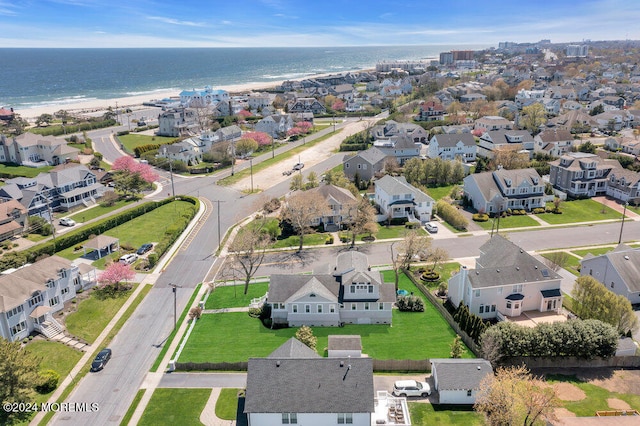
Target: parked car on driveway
pixel 65 221
pixel 128 259
pixel 431 227
pixel 404 388
pixel 144 248
pixel 101 359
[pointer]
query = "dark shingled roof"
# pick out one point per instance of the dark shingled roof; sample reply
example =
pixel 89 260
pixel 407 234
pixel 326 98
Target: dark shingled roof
pixel 319 385
pixel 344 342
pixel 294 348
pixel 460 374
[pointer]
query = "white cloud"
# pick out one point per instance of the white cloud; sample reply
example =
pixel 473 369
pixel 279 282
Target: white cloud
pixel 176 21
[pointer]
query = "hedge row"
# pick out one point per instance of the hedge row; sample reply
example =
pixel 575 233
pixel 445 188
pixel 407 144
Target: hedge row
pixel 353 146
pixel 75 128
pixel 99 227
pixel 451 215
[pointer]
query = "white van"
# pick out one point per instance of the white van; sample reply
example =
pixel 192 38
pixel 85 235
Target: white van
pixel 431 227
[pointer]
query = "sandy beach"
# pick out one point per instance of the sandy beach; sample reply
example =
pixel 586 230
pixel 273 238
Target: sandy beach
pixel 97 105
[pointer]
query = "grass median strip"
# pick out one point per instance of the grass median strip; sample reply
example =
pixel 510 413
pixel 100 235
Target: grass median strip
pixel 175 406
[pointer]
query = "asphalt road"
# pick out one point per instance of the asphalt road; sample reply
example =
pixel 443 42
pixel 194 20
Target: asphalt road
pixel 137 345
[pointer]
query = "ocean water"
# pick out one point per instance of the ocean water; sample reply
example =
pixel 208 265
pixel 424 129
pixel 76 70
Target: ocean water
pixel 36 77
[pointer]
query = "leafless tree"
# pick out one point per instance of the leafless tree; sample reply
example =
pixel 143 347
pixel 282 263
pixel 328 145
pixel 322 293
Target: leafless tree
pixel 301 209
pixel 360 217
pixel 247 251
pixel 556 260
pixel 412 247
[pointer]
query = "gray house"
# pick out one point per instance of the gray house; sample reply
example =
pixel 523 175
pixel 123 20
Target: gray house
pixel 497 191
pixel 618 270
pixel 580 174
pixel 365 163
pixel 458 380
pixel 308 390
pixel 350 293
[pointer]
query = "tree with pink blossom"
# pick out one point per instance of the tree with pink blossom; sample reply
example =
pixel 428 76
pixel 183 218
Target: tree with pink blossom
pixel 294 131
pixel 304 126
pixel 243 114
pixel 262 138
pixel 338 105
pixel 479 132
pixel 131 177
pixel 114 275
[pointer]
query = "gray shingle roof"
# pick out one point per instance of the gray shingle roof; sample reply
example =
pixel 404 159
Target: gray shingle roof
pixel 627 264
pixel 283 286
pixel 371 156
pixel 294 348
pixel 452 139
pixel 399 185
pixel 319 385
pixel 344 342
pixel 460 374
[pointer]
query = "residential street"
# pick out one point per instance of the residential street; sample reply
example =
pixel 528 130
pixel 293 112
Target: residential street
pixel 139 342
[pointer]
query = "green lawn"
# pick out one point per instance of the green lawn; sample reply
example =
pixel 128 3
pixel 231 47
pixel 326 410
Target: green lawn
pixel 294 241
pixel 98 211
pixel 580 211
pixel 596 397
pixel 514 221
pixel 428 414
pixel 175 407
pixel 440 191
pixel 149 227
pixel 23 170
pixel 55 356
pixel 132 408
pixel 233 296
pixel 227 404
pixel 397 231
pixel 236 336
pixel 594 251
pixel 572 264
pixel 94 314
pixel 131 141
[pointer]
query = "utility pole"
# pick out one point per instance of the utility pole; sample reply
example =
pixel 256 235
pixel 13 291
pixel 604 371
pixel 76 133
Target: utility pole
pixel 173 189
pixel 52 224
pixel 175 304
pixel 624 213
pixel 218 201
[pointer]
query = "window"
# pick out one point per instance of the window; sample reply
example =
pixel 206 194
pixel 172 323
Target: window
pixel 366 306
pixel 469 392
pixel 381 306
pixel 370 289
pixel 18 328
pixel 332 308
pixel 477 293
pixel 64 291
pixel 517 288
pixel 508 304
pixel 14 311
pixel 499 291
pixel 35 300
pixel 319 309
pixel 54 301
pixel 307 308
pixel 345 418
pixel 493 308
pixel 352 289
pixel 354 306
pixel 289 418
pixel 481 310
pixel 611 284
pixel 294 309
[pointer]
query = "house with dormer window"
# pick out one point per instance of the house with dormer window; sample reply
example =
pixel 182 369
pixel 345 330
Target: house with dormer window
pixel 494 140
pixel 29 149
pixel 30 295
pixel 500 190
pixel 452 146
pixel 581 174
pixel 624 185
pixel 349 293
pixel 506 282
pixel 397 198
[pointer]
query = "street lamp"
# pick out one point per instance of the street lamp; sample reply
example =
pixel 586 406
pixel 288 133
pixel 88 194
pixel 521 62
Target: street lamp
pixel 624 213
pixel 175 303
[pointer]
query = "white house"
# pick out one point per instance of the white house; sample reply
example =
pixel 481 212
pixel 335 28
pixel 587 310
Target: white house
pixel 399 199
pixel 458 380
pixel 309 391
pixel 349 293
pixel 618 270
pixel 29 149
pixel 207 96
pixel 452 146
pixel 493 122
pixel 29 296
pixel 555 142
pixel 506 282
pixel 339 201
pixel 493 140
pixel 275 125
pixel 497 191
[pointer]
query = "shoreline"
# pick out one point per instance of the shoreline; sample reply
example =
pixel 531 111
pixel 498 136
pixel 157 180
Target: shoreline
pixel 91 106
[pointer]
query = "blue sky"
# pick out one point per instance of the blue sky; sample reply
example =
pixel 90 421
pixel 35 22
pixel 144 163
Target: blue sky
pixel 235 23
